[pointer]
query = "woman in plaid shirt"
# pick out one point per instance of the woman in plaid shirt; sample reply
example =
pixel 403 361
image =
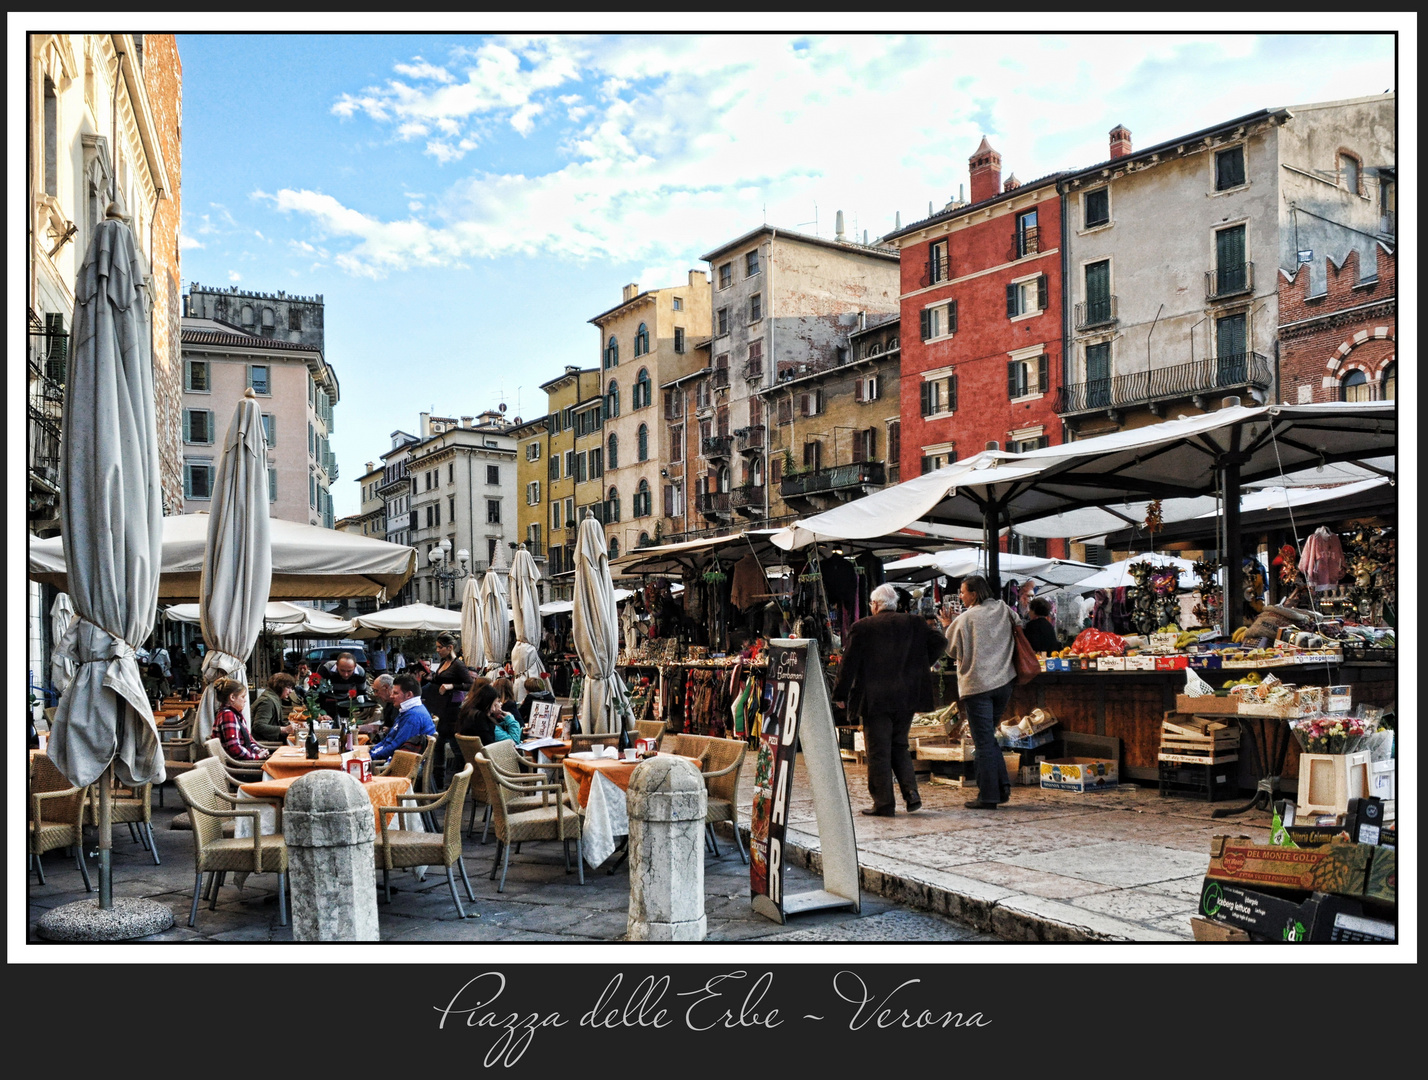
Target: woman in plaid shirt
pixel 229 726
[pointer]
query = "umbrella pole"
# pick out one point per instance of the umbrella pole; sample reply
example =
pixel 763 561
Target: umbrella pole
pixel 991 514
pixel 106 836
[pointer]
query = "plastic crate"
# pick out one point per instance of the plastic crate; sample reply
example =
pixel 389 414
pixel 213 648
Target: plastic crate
pixel 1209 782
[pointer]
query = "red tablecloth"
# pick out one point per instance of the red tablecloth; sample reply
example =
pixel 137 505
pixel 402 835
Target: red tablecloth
pixel 288 762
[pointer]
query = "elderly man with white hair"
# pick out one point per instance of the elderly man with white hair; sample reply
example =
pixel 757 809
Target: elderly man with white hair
pixel 885 677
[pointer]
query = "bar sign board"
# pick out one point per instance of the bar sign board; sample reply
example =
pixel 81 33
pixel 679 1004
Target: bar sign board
pixel 797 715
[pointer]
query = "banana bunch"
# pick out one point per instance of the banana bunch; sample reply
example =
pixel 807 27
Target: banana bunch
pixel 1239 634
pixel 1187 637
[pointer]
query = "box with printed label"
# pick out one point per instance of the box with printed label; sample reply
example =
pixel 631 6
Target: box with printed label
pixel 1383 875
pixel 1382 779
pixel 1334 868
pixel 1338 698
pixel 1205 661
pixel 1321 917
pixel 1140 663
pixel 1081 774
pixel 1111 663
pixel 1171 663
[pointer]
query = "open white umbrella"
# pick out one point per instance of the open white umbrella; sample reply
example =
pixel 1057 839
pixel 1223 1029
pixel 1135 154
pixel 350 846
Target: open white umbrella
pixel 110 522
pixel 237 560
pixel 62 667
pixel 473 650
pixel 1114 575
pixel 604 703
pixel 495 615
pixel 408 619
pixel 525 613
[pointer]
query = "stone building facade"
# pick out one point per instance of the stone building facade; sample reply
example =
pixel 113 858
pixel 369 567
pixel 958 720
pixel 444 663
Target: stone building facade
pixel 1341 343
pixel 532 487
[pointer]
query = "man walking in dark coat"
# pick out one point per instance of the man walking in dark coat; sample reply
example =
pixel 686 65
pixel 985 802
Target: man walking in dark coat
pixel 886 670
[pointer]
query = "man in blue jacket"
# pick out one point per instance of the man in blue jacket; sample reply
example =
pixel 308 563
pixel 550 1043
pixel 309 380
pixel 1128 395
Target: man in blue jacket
pixel 412 724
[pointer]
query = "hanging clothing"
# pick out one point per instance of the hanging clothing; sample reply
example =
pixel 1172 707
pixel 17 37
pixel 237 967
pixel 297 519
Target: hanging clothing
pixel 840 582
pixel 747 583
pixel 1322 559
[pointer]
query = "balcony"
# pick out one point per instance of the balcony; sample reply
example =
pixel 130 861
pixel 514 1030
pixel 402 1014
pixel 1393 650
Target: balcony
pixel 753 371
pixel 1027 242
pixel 1229 281
pixel 1091 314
pixel 750 438
pixel 825 488
pixel 712 504
pixel 1199 380
pixel 721 378
pixel 715 447
pixel 748 500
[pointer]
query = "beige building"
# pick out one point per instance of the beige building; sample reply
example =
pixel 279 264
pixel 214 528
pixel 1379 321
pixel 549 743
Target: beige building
pixel 564 394
pixel 532 486
pixel 645 342
pixel 371 519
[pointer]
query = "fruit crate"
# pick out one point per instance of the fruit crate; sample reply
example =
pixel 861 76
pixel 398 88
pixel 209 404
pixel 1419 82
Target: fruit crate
pixel 1209 782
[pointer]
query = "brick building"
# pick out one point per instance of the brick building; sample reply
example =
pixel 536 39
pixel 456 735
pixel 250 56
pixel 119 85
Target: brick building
pixel 1340 344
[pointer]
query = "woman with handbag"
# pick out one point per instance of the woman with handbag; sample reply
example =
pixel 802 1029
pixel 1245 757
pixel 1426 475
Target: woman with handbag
pixel 443 696
pixel 983 641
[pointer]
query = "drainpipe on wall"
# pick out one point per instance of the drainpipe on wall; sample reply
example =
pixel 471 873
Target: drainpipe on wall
pixel 1065 303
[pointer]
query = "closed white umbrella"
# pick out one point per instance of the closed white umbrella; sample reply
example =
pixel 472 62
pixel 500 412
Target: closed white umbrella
pixel 604 703
pixel 473 652
pixel 62 667
pixel 525 614
pixel 495 620
pixel 237 560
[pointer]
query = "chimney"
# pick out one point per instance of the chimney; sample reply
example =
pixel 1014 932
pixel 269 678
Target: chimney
pixel 425 425
pixel 992 444
pixel 986 172
pixel 697 278
pixel 1011 183
pixel 838 233
pixel 631 291
pixel 897 221
pixel 1120 141
pixel 1231 402
pixel 468 421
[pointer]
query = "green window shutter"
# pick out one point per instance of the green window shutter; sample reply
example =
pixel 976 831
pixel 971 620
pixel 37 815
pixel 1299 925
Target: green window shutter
pixel 952 317
pixel 1013 378
pixel 1041 374
pixel 56 348
pixel 1041 293
pixel 926 318
pixel 952 392
pixel 1011 301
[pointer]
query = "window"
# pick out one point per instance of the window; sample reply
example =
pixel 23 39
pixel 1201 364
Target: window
pixel 493 474
pixel 1026 235
pixel 1026 377
pixel 597 465
pixel 933 462
pixel 493 511
pixel 751 263
pixel 1031 442
pixel 676 442
pixel 580 467
pixel 272 484
pixel 428 476
pixel 612 453
pixel 894 442
pixel 436 514
pixel 1026 297
pixel 678 337
pixel 533 539
pixel 570 512
pixel 811 403
pixel 1098 375
pixel 612 506
pixel 569 464
pixel 614 547
pixel 451 508
pixel 644 390
pixel 533 451
pixel 567 417
pixel 726 275
pixel 52 156
pixel 612 400
pixel 756 359
pixel 813 455
pixel 644 539
pixel 865 445
pixel 939 321
pixel 785 410
pixel 642 340
pixel 258 379
pixel 198 479
pixel 198 426
pixel 1229 168
pixel 554 468
pixel 1388 384
pixel 312 492
pixel 195 377
pixel 270 430
pixel 642 446
pixel 938 266
pixel 723 321
pixel 756 307
pixel 867 387
pixel 678 304
pixel 1098 292
pixel 533 493
pixel 612 353
pixel 1351 170
pixel 642 504
pixel 776 469
pixel 722 480
pixel 1231 273
pixel 1355 387
pixel 1096 208
pixel 939 395
pixel 556 518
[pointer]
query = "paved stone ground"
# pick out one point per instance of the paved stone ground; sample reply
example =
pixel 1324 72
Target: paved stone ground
pixel 1118 866
pixel 540 902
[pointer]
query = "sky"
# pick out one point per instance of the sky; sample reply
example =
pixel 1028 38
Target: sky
pixel 465 203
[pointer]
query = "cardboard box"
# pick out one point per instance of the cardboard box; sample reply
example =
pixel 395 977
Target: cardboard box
pixel 1208 931
pixel 1328 781
pixel 1208 705
pixel 1383 876
pixel 1284 711
pixel 1309 698
pixel 1338 698
pixel 1080 774
pixel 1322 917
pixel 1111 663
pixel 1383 779
pixel 1140 663
pixel 1031 742
pixel 1334 868
pixel 1163 643
pixel 1205 661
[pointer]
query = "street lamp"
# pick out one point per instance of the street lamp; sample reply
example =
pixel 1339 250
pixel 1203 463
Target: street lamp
pixel 450 575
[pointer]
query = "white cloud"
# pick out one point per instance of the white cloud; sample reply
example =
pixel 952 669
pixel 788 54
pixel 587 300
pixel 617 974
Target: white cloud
pixel 187 243
pixel 233 275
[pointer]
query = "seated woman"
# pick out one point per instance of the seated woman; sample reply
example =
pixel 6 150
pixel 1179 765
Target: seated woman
pixel 507 690
pixel 1038 629
pixel 488 717
pixel 535 691
pixel 270 711
pixel 229 726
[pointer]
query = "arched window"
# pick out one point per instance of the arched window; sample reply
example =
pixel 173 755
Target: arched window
pixel 247 315
pixel 1355 387
pixel 643 389
pixel 642 340
pixel 1351 171
pixel 614 547
pixel 642 499
pixel 644 539
pixel 1388 384
pixel 612 401
pixel 612 352
pixel 612 505
pixel 612 453
pixel 892 344
pixel 643 449
pixel 756 472
pixel 724 478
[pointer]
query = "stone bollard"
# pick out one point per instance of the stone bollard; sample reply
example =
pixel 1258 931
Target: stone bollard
pixel 330 829
pixel 667 803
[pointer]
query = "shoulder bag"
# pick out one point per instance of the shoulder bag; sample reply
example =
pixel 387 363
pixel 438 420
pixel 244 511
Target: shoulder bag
pixel 1023 655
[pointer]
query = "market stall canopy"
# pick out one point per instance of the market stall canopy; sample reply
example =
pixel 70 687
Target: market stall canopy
pixel 409 619
pixel 282 619
pixel 674 559
pixel 959 562
pixel 1345 472
pixel 564 607
pixel 1114 575
pixel 309 563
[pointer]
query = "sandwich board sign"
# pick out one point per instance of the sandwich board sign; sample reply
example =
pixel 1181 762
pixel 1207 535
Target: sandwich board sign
pixel 798 715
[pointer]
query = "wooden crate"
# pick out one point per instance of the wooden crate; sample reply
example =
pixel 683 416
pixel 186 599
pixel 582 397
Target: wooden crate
pixel 944 750
pixel 1208 705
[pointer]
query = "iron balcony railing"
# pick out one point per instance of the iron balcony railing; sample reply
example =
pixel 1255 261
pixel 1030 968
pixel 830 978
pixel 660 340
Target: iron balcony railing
pixel 1027 242
pixel 712 502
pixel 747 497
pixel 1227 281
pixel 1166 383
pixel 715 446
pixel 1098 312
pixel 838 478
pixel 751 438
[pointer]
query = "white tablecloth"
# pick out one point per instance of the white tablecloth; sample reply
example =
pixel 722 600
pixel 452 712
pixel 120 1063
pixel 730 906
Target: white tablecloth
pixel 606 818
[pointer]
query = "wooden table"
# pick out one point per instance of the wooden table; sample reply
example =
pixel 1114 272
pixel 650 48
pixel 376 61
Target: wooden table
pixel 289 762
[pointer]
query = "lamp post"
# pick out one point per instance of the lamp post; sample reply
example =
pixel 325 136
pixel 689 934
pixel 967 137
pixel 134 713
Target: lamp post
pixel 445 574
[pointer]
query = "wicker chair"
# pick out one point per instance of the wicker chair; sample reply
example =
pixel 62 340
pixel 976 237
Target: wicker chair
pixel 56 810
pixel 471 746
pixel 247 772
pixel 581 743
pixel 126 807
pixel 180 751
pixel 216 854
pixel 650 729
pixel 504 753
pixel 723 760
pixel 398 848
pixel 553 821
pixel 401 763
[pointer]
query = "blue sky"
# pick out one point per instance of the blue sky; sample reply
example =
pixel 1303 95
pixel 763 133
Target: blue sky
pixel 466 203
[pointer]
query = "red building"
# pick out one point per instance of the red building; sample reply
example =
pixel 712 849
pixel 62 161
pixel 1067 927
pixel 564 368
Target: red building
pixel 1341 345
pixel 981 323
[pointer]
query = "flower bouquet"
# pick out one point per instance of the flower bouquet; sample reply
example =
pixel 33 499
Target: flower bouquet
pixel 1332 734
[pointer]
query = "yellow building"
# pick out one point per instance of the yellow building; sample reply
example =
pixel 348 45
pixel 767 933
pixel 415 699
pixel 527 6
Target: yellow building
pixel 532 486
pixel 563 394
